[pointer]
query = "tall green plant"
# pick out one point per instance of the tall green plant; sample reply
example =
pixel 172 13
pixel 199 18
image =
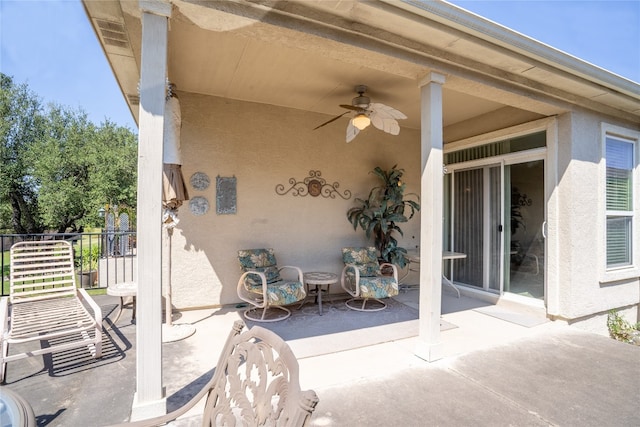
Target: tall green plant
pixel 381 212
pixel 88 260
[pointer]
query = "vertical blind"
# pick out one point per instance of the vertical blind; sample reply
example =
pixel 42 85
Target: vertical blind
pixel 495 219
pixel 468 226
pixel 619 189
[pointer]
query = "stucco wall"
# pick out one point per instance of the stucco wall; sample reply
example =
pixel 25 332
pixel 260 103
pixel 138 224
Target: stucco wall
pixel 580 292
pixel 263 146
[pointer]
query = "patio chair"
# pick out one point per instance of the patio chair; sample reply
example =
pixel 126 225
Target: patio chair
pixel 44 303
pixel 262 286
pixel 362 278
pixel 256 382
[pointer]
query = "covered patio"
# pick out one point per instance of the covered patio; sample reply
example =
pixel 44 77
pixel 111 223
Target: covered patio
pixel 255 78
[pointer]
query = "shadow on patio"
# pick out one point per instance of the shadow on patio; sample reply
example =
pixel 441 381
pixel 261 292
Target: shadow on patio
pixel 71 388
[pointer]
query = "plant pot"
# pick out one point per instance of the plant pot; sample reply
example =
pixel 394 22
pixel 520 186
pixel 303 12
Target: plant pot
pixel 386 270
pixel 87 279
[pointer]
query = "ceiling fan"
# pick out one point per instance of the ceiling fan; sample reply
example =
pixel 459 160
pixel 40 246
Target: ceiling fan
pixel 382 116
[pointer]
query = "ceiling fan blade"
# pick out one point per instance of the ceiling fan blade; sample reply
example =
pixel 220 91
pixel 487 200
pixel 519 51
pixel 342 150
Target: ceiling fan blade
pixel 330 121
pixel 350 107
pixel 386 112
pixel 384 123
pixel 352 131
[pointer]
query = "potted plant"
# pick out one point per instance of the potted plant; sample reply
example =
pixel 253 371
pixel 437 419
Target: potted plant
pixel 87 266
pixel 381 212
pixel 517 201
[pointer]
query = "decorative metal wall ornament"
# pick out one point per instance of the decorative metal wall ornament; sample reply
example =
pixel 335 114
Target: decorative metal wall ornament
pixel 225 195
pixel 198 205
pixel 199 181
pixel 313 185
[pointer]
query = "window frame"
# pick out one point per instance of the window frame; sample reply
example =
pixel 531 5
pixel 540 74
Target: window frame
pixel 632 270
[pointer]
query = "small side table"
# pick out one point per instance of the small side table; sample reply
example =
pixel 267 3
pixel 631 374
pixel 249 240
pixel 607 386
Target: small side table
pixel 122 290
pixel 319 279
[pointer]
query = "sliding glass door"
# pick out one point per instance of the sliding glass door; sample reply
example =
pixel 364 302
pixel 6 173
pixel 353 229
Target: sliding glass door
pixel 476 226
pixel 497 219
pixel 526 259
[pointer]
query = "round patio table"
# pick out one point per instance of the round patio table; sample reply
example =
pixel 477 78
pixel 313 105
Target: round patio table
pixel 122 290
pixel 319 279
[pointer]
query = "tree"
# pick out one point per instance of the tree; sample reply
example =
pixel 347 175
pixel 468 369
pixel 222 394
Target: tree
pixel 58 168
pixel 61 165
pixel 21 123
pixel 80 167
pixel 113 178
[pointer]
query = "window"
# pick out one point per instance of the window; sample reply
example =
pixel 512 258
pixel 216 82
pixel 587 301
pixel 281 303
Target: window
pixel 620 161
pixel 511 145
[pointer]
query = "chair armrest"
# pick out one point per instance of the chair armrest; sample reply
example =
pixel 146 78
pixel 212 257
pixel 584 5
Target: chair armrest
pixel 393 267
pixel 353 292
pixel 296 269
pixel 242 290
pixel 171 416
pixel 97 311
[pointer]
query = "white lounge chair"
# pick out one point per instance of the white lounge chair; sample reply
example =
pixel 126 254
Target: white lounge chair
pixel 44 303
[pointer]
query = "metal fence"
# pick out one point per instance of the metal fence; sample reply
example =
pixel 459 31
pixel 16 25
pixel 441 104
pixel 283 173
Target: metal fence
pixel 101 258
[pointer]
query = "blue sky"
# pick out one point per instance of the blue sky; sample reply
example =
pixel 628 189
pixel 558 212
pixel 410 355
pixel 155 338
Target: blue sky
pixel 50 45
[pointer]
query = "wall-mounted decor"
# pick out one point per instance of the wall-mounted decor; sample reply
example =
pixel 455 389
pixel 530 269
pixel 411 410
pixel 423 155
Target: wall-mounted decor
pixel 199 181
pixel 313 185
pixel 225 195
pixel 199 205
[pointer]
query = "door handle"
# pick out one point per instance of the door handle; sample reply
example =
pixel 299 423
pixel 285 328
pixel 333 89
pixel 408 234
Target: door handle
pixel 544 231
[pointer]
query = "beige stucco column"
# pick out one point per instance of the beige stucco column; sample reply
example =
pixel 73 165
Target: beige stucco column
pixel 149 399
pixel 429 346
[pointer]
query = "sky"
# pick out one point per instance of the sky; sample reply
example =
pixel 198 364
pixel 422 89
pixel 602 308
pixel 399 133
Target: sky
pixel 51 46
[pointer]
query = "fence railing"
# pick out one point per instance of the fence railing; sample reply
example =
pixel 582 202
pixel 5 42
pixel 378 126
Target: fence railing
pixel 101 258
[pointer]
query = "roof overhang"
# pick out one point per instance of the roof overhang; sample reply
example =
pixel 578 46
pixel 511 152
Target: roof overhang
pixel 310 54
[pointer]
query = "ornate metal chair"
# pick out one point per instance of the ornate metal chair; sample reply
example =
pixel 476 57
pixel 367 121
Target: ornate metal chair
pixel 262 286
pixel 256 382
pixel 362 278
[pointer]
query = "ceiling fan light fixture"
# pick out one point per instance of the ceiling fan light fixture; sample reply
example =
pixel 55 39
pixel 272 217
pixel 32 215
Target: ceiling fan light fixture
pixel 361 121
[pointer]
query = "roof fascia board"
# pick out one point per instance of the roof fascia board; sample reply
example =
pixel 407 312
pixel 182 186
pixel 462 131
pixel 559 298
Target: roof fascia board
pixel 470 23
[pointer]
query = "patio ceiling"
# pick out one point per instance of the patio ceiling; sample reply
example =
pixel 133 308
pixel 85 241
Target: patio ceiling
pixel 310 55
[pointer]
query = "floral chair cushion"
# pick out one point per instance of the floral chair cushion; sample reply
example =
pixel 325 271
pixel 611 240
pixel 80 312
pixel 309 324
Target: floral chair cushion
pixel 364 259
pixel 279 291
pixel 378 287
pixel 262 260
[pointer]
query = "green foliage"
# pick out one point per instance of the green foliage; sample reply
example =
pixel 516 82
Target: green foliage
pixel 61 165
pixel 113 178
pixel 88 259
pixel 621 330
pixel 381 212
pixel 516 211
pixel 21 123
pixel 59 168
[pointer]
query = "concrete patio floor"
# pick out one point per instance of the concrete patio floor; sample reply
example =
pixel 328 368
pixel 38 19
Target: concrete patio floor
pixel 521 371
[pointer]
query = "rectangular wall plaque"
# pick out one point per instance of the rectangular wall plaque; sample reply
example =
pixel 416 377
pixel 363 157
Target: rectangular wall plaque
pixel 225 195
